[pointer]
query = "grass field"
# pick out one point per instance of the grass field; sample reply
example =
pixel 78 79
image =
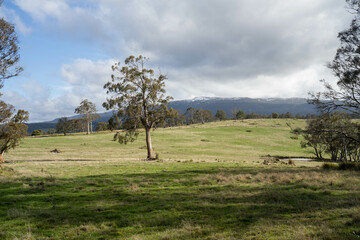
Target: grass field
pixel 210 183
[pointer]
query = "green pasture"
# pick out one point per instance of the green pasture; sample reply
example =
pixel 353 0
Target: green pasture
pixel 209 183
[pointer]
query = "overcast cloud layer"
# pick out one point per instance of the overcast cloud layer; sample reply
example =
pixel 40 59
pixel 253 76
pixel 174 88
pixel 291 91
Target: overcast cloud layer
pixel 229 48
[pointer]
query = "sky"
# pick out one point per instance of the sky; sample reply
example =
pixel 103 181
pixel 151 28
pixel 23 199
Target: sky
pixel 212 48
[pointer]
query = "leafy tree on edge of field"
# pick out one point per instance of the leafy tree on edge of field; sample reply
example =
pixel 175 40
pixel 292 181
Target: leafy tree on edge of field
pixel 203 116
pixel 139 96
pixel 220 115
pixel 102 126
pixel 346 68
pixel 37 132
pixel 332 133
pixel 63 125
pixel 9 51
pixel 88 110
pixel 12 129
pixel 240 115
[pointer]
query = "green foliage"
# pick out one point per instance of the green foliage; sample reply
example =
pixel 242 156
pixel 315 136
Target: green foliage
pixel 6 111
pixel 63 125
pixel 115 121
pixel 125 137
pixel 355 166
pixel 78 125
pixel 220 115
pixel 138 96
pixel 88 110
pixel 190 115
pixel 51 131
pixel 102 126
pixel 330 166
pixel 349 166
pixel 37 132
pixel 203 116
pixel 13 131
pixel 12 127
pixel 174 118
pixel 240 115
pixel 274 115
pixel 286 115
pixel 334 134
pixel 9 51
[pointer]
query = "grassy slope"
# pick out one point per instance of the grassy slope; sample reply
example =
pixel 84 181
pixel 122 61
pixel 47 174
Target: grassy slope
pixel 210 185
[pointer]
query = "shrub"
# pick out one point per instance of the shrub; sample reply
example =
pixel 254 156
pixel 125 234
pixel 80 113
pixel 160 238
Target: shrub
pixel 330 166
pixel 349 166
pixel 36 132
pixel 51 131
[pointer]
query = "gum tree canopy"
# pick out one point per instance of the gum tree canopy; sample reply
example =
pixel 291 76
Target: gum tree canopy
pixel 140 98
pixel 88 110
pixel 12 127
pixel 9 56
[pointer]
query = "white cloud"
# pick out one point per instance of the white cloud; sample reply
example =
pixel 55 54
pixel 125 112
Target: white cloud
pixel 43 9
pixel 82 79
pixel 256 48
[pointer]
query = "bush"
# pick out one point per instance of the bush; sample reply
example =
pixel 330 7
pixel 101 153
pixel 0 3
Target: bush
pixel 51 131
pixel 330 166
pixel 342 166
pixel 36 132
pixel 349 166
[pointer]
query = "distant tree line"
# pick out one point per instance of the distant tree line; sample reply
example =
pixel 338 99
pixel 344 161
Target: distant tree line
pixel 172 118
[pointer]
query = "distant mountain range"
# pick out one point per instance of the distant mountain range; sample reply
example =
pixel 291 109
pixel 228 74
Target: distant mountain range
pixel 248 105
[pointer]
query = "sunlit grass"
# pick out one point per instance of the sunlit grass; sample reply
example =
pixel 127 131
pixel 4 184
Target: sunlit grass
pixel 210 183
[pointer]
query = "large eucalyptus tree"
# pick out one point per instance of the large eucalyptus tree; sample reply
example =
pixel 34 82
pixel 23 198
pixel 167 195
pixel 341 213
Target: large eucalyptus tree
pixel 140 98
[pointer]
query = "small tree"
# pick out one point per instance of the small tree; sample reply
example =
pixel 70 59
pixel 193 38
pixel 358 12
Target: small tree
pixel 88 110
pixel 274 115
pixel 240 115
pixel 102 126
pixel 12 131
pixel 174 118
pixel 37 132
pixel 220 115
pixel 51 131
pixel 334 134
pixel 346 68
pixel 202 116
pixel 63 125
pixel 77 125
pixel 139 96
pixel 189 115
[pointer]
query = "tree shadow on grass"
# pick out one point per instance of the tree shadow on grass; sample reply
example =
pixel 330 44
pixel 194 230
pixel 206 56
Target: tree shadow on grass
pixel 195 204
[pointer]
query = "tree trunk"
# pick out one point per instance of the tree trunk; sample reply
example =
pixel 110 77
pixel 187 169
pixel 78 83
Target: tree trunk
pixel 148 144
pixel 88 127
pixel 1 158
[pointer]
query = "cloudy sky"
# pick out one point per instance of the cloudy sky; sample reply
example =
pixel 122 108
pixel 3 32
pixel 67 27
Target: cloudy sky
pixel 214 48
